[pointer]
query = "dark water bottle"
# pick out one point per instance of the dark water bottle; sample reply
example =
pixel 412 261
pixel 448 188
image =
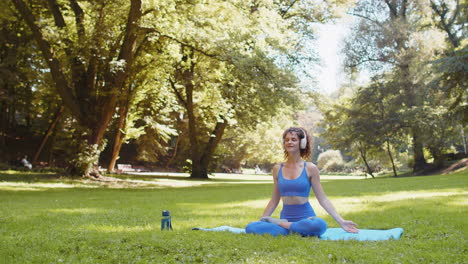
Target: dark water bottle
pixel 166 220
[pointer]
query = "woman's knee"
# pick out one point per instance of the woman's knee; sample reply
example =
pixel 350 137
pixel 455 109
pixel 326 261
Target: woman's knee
pixel 310 227
pixel 265 228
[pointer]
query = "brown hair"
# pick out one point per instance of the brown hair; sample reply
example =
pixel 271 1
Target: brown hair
pixel 301 133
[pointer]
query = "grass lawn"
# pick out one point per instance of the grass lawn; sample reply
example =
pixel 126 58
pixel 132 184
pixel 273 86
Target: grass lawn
pixel 47 219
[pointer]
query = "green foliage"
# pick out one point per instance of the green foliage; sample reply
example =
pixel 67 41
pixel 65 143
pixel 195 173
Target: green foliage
pixel 70 221
pixel 408 101
pixel 260 145
pixel 450 78
pixel 246 57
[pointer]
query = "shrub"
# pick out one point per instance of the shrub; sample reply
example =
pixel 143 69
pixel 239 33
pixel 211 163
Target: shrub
pixel 330 160
pixel 334 166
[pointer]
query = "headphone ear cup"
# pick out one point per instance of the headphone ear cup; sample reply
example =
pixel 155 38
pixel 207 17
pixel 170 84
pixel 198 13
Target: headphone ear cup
pixel 303 143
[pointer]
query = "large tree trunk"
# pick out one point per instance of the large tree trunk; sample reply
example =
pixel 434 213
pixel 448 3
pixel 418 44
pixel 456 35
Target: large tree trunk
pixel 95 143
pixel 199 171
pixel 186 76
pixel 201 155
pixel 200 167
pixel 418 152
pixel 439 158
pixel 119 137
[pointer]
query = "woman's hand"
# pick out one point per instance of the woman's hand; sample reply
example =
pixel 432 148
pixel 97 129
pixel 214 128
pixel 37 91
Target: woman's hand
pixel 349 226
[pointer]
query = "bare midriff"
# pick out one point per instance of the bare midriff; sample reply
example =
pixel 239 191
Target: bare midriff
pixel 294 199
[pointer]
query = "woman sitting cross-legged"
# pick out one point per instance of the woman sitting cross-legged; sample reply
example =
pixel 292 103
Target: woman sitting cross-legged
pixel 293 180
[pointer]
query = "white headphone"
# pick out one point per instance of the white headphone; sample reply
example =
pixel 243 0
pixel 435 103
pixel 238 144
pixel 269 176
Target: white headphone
pixel 303 143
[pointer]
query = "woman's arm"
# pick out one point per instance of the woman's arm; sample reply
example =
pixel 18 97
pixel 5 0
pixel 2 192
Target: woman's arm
pixel 275 196
pixel 322 198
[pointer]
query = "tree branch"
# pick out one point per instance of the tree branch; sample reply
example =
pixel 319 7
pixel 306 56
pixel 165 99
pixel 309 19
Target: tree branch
pixel 404 5
pixel 366 18
pixel 77 67
pixel 177 93
pixel 58 17
pixel 284 12
pixel 213 142
pixel 367 60
pixel 152 30
pixel 455 14
pixel 79 17
pixel 393 10
pixel 61 84
pixel 446 25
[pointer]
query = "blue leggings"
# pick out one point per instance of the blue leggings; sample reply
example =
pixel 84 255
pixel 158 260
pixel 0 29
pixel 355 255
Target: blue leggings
pixel 298 214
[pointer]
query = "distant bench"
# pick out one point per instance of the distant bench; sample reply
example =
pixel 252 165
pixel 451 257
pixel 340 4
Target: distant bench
pixel 123 168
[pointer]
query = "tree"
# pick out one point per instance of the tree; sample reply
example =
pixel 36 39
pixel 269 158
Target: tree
pixel 89 75
pixel 389 38
pixel 25 101
pixel 15 84
pixel 449 69
pixel 350 130
pixel 388 121
pixel 231 80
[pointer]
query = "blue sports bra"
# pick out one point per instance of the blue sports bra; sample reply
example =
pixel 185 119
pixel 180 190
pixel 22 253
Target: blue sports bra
pixel 295 187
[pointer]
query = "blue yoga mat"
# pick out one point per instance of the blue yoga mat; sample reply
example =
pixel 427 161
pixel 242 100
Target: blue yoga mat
pixel 334 233
pixel 363 235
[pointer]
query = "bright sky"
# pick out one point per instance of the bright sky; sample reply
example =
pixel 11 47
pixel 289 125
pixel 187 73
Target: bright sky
pixel 329 43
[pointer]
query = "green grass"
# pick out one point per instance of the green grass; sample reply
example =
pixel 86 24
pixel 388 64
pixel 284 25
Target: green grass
pixel 47 219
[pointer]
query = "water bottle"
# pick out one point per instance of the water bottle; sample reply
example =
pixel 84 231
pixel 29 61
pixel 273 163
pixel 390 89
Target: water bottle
pixel 166 220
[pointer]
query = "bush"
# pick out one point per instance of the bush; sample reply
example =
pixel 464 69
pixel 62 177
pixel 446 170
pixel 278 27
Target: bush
pixel 350 167
pixel 331 160
pixel 376 165
pixel 334 166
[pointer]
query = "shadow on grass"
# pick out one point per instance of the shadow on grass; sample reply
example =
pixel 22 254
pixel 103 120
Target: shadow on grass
pixel 212 178
pixel 31 176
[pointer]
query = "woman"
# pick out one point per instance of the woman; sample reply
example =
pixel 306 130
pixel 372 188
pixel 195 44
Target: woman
pixel 293 180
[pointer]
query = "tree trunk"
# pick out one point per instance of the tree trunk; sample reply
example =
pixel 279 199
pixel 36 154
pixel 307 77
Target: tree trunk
pixel 419 160
pixel 3 125
pixel 438 156
pixel 186 75
pixel 173 154
pixel 95 144
pixel 49 131
pixel 462 131
pixel 391 159
pixel 119 137
pixel 50 158
pixel 200 167
pixel 199 171
pixel 363 156
pixel 201 155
